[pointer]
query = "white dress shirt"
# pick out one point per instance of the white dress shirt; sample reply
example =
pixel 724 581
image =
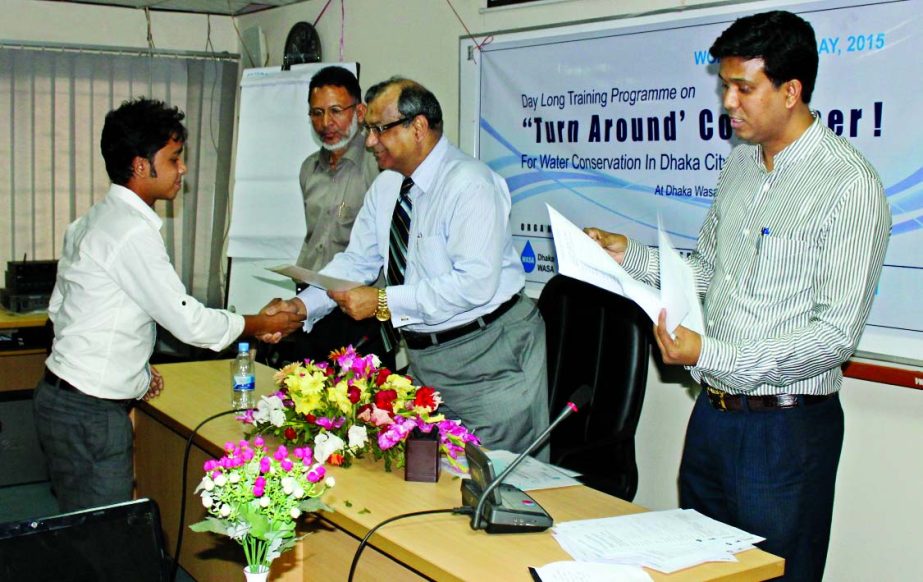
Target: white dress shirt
pixel 461 263
pixel 114 282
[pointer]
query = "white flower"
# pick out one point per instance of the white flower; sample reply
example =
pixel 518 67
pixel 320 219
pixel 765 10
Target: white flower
pixel 330 481
pixel 288 485
pixel 295 512
pixel 325 444
pixel 358 436
pixel 225 510
pixel 206 500
pixel 298 493
pixel 234 477
pixel 220 480
pixel 270 409
pixel 207 483
pixel 264 502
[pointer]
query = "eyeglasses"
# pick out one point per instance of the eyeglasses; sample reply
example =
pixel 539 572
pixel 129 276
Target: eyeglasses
pixel 335 111
pixel 380 129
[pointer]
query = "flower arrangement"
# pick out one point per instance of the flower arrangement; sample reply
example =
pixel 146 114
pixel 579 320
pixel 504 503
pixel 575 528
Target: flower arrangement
pixel 351 406
pixel 255 496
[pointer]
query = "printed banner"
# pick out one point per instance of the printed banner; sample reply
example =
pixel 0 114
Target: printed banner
pixel 618 126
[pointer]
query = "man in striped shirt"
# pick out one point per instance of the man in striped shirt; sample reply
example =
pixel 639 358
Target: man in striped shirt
pixel 788 259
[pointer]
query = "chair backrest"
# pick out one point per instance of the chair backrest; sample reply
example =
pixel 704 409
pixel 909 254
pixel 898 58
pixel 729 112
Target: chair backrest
pixel 111 543
pixel 601 339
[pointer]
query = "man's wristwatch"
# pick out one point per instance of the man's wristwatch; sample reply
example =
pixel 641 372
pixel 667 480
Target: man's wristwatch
pixel 382 313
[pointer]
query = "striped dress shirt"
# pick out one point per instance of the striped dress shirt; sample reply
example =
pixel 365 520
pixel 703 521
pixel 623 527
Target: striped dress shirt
pixel 788 261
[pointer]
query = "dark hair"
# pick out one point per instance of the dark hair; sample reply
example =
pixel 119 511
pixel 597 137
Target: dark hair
pixel 138 128
pixel 336 76
pixel 784 41
pixel 414 99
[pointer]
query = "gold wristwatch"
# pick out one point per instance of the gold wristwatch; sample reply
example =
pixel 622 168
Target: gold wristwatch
pixel 382 313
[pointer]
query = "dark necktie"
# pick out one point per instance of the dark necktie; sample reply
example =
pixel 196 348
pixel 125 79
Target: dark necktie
pixel 400 233
pixel 397 253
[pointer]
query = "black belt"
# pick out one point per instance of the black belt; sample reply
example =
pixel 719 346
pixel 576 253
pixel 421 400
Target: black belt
pixel 52 379
pixel 419 341
pixel 724 401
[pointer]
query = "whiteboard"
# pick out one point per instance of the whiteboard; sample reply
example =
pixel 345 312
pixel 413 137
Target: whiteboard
pixel 528 101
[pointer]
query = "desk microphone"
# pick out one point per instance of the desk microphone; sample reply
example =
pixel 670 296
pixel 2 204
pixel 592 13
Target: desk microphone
pixel 507 509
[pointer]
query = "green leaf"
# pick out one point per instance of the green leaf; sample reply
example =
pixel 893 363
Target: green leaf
pixel 348 503
pixel 312 505
pixel 210 524
pixel 364 511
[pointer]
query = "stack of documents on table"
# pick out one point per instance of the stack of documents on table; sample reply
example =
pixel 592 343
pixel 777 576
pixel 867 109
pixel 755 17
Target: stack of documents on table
pixel 531 474
pixel 666 541
pixel 580 257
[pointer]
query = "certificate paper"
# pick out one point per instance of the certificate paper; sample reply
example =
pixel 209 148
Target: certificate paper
pixel 314 278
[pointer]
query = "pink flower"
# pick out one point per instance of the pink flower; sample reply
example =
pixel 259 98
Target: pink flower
pixel 257 491
pixel 330 424
pixel 286 465
pixel 258 442
pixel 395 433
pixel 281 453
pixel 265 464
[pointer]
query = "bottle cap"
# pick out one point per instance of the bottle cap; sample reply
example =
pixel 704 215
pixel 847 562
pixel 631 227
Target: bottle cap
pixel 243 347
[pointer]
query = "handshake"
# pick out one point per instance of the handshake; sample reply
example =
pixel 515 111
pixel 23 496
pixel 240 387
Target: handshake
pixel 281 317
pixel 276 320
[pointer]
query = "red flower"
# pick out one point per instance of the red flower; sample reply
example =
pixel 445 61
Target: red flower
pixel 353 394
pixel 290 433
pixel 424 398
pixel 385 400
pixel 310 418
pixel 336 459
pixel 382 376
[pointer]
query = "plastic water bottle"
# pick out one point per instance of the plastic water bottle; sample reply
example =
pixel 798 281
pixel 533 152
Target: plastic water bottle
pixel 242 379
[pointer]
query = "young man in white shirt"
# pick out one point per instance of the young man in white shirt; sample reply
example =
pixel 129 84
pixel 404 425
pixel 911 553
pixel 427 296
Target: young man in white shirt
pixel 114 285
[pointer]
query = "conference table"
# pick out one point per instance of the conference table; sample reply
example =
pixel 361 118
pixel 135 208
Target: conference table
pixel 438 547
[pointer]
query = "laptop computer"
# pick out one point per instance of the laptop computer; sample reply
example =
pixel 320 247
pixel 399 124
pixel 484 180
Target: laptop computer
pixel 114 542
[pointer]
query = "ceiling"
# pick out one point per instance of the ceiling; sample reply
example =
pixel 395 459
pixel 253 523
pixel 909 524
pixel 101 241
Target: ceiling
pixel 224 7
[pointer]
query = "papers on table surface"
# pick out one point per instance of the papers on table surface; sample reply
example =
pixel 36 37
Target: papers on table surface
pixel 663 540
pixel 582 258
pixel 531 474
pixel 590 572
pixel 314 278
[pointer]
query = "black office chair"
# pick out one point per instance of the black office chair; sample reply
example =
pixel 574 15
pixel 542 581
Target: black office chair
pixel 601 339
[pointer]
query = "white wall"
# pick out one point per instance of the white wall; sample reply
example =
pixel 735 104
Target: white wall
pixel 419 38
pixel 56 22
